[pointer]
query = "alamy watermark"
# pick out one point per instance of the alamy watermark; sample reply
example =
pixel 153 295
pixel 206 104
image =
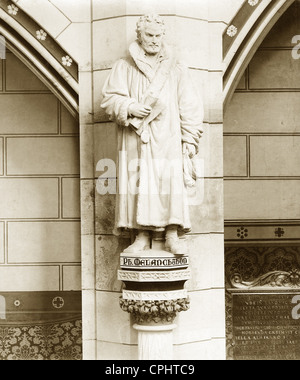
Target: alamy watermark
pixel 296 309
pixel 162 177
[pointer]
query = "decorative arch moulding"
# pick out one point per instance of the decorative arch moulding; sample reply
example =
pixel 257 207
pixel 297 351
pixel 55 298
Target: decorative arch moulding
pixel 243 36
pixel 41 53
pixel 41 35
pixel 236 25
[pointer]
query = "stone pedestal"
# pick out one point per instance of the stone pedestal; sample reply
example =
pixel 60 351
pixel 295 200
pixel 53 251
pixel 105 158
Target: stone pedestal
pixel 155 342
pixel 154 294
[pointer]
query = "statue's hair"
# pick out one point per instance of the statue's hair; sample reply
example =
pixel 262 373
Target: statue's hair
pixel 150 19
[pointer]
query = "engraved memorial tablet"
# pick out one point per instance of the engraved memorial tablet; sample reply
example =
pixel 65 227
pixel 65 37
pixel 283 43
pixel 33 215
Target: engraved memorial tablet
pixel 266 317
pixel 265 326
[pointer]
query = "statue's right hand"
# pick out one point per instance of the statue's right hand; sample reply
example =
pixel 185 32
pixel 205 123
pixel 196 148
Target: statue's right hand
pixel 139 110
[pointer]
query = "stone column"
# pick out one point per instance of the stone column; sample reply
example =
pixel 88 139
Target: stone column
pixel 155 342
pixel 194 29
pixel 154 294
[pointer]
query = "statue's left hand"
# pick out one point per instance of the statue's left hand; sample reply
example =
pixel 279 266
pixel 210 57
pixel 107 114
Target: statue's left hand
pixel 189 149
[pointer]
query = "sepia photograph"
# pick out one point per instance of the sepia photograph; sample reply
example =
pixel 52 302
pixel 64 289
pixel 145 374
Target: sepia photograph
pixel 149 184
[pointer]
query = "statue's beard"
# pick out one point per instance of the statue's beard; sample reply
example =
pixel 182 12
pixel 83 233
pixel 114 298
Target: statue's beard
pixel 151 49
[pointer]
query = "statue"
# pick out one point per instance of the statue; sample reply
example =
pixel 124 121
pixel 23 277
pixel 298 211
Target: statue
pixel 150 96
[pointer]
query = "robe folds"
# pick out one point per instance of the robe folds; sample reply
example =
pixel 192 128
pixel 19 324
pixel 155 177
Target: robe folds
pixel 151 190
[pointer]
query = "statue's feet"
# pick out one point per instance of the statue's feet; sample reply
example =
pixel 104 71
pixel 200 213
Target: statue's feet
pixel 141 243
pixel 176 246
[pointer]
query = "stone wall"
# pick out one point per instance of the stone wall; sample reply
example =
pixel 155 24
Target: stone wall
pixel 261 126
pixel 197 336
pixel 39 186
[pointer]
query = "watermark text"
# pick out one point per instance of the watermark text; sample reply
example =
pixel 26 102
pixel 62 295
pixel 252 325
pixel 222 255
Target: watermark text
pixel 152 177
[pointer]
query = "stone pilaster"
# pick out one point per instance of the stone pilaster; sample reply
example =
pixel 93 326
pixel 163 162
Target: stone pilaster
pixel 194 30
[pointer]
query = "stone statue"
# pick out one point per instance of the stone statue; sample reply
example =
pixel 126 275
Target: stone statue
pixel 150 96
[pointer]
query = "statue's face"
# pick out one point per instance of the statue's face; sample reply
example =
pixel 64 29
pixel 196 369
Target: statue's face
pixel 151 39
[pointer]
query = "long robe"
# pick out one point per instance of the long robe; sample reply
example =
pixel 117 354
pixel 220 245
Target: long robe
pixel 151 188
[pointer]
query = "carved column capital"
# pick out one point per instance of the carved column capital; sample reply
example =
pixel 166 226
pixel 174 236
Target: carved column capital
pixel 154 312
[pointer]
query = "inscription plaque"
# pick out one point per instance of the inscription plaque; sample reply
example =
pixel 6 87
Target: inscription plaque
pixel 266 325
pixel 152 262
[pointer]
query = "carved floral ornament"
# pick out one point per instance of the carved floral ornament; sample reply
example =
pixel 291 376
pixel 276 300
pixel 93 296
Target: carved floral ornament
pixel 253 2
pixel 26 22
pixel 274 279
pixel 232 31
pixel 67 61
pixel 41 35
pixel 12 9
pixel 157 276
pixel 58 341
pixel 154 312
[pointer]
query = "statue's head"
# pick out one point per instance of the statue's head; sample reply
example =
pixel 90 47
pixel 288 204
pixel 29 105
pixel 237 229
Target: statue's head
pixel 150 33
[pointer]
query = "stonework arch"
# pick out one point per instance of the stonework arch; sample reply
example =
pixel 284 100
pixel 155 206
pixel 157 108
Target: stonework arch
pixel 244 35
pixel 41 53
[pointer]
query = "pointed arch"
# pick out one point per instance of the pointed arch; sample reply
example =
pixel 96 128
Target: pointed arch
pixel 31 43
pixel 244 45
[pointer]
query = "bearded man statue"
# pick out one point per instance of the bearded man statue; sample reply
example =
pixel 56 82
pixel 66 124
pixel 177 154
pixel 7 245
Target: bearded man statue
pixel 151 97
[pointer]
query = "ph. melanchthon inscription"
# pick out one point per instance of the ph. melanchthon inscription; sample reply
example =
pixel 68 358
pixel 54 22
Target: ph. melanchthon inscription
pixel 154 262
pixel 266 325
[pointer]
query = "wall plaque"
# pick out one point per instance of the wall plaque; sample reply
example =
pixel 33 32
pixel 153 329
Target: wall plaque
pixel 266 325
pixel 269 274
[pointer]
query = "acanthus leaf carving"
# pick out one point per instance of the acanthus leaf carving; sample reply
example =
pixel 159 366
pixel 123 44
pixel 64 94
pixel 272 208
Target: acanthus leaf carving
pixel 153 312
pixel 273 279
